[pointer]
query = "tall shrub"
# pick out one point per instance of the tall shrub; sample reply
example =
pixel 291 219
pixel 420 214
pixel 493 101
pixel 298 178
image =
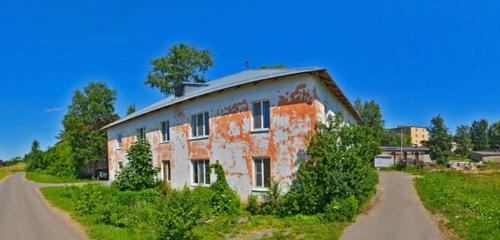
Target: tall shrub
pixel 224 200
pixel 139 173
pixel 339 166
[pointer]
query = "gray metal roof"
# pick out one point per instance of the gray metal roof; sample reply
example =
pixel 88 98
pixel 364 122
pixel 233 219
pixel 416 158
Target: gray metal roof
pixel 244 77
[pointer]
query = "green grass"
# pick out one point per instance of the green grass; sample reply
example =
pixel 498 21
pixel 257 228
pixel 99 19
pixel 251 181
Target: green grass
pixel 6 171
pixel 296 227
pixel 266 227
pixel 470 202
pixel 43 177
pixel 57 196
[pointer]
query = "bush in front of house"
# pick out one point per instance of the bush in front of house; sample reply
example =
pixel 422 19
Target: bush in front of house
pixel 224 200
pixel 139 173
pixel 342 210
pixel 339 167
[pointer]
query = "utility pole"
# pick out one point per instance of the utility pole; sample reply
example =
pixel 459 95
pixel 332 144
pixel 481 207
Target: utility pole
pixel 401 140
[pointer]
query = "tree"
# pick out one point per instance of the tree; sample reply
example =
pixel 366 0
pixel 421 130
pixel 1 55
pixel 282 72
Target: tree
pixel 90 110
pixel 439 140
pixel 35 158
pixel 393 138
pixel 463 140
pixel 340 165
pixel 183 63
pixel 60 160
pixel 479 134
pixel 494 138
pixel 276 66
pixel 371 117
pixel 139 173
pixel 131 109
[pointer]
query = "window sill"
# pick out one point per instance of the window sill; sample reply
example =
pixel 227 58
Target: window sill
pixel 260 190
pixel 198 138
pixel 261 130
pixel 164 142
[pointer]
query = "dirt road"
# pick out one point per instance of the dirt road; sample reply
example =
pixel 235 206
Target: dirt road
pixel 25 216
pixel 396 214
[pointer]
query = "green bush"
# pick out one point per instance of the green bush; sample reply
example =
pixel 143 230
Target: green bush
pixel 273 200
pixel 340 165
pixel 224 199
pixel 60 161
pixel 342 210
pixel 252 205
pixel 139 173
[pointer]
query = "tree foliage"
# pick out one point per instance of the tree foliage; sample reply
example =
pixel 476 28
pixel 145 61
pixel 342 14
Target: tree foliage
pixel 494 135
pixel 183 63
pixel 340 165
pixel 463 140
pixel 90 110
pixel 479 134
pixel 131 109
pixel 371 117
pixel 35 159
pixel 139 172
pixel 439 140
pixel 60 161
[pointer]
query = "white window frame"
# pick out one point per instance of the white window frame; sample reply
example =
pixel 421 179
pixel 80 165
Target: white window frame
pixel 138 134
pixel 263 175
pixel 261 104
pixel 195 166
pixel 204 124
pixel 119 141
pixel 167 176
pixel 167 131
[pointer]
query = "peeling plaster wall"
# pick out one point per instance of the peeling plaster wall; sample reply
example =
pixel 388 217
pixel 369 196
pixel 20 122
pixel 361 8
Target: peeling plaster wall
pixel 296 106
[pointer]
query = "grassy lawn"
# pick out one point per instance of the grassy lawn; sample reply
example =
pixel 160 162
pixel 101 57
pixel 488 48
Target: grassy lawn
pixel 5 171
pixel 269 227
pixel 44 177
pixel 470 202
pixel 244 226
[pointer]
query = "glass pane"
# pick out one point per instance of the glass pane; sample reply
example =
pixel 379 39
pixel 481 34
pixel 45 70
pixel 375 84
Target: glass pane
pixel 168 131
pixel 207 121
pixel 199 125
pixel 163 132
pixel 267 173
pixel 193 126
pixel 257 115
pixel 258 172
pixel 201 172
pixel 195 172
pixel 207 172
pixel 265 113
pixel 169 176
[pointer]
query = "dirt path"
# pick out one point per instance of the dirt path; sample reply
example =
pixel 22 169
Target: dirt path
pixel 24 215
pixel 396 214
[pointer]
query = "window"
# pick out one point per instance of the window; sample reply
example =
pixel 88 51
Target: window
pixel 262 172
pixel 260 114
pixel 199 125
pixel 166 171
pixel 165 131
pixel 119 141
pixel 120 165
pixel 141 134
pixel 201 172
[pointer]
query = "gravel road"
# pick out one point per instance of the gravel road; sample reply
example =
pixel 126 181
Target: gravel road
pixel 397 213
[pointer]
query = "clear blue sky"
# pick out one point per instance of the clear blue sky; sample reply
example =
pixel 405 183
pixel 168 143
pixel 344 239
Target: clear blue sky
pixel 416 58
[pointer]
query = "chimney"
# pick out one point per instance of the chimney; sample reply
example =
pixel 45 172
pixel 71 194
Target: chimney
pixel 187 87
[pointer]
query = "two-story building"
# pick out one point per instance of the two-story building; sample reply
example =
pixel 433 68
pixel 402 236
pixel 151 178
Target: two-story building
pixel 256 123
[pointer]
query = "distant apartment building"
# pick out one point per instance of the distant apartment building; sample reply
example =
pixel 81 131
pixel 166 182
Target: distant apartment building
pixel 417 134
pixel 255 123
